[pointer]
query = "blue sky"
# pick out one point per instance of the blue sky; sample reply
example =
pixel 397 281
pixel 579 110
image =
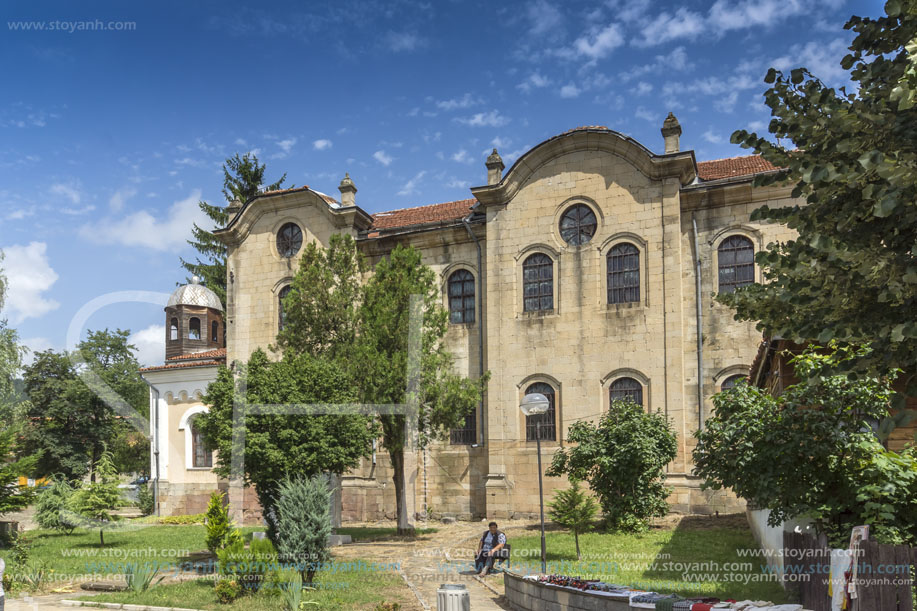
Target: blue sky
pixel 108 138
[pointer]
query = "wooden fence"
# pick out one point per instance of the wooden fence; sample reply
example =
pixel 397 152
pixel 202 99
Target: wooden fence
pixel 884 574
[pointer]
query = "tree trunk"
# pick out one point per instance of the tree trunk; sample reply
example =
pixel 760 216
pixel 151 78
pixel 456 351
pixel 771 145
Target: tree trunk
pixel 576 538
pixel 102 537
pixel 404 527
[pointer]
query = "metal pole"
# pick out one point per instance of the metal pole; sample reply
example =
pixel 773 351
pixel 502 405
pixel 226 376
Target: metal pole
pixel 540 495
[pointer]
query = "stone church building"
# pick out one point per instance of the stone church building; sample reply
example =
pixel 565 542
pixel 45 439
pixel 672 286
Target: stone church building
pixel 585 272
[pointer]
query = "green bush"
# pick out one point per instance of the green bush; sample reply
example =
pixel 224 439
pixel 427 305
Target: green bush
pixel 227 590
pixel 191 518
pixel 623 458
pixel 574 510
pixel 220 529
pixel 304 523
pixel 247 566
pixel 145 499
pixel 55 509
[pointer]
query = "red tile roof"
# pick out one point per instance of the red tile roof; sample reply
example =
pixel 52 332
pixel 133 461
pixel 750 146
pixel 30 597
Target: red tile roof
pixel 210 358
pixel 219 352
pixel 733 166
pixel 421 215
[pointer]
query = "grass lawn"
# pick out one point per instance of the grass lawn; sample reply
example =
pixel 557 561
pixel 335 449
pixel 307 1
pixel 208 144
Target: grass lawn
pixel 344 588
pixel 78 556
pixel 378 534
pixel 687 560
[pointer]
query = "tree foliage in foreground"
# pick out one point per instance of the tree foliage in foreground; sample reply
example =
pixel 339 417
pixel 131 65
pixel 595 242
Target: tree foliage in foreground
pixel 242 180
pixel 813 452
pixel 851 275
pixel 623 458
pixel 575 510
pixel 13 497
pixel 278 444
pixel 304 523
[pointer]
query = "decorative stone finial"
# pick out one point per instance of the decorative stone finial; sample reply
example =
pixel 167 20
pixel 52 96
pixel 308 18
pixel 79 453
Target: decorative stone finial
pixel 494 168
pixel 195 279
pixel 348 190
pixel 671 130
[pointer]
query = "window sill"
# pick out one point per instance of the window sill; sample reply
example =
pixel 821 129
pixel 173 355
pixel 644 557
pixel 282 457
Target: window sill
pixel 199 468
pixel 537 314
pixel 630 305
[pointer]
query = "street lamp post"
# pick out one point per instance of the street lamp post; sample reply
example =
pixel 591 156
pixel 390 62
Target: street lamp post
pixel 536 404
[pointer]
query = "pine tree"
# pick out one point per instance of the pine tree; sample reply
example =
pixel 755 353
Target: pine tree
pixel 13 497
pixel 304 523
pixel 242 179
pixel 98 499
pixel 54 509
pixel 574 510
pixel 219 527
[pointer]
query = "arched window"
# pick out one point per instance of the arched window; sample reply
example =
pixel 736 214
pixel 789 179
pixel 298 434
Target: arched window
pixel 731 381
pixel 538 283
pixel 214 328
pixel 736 261
pixel 280 315
pixel 547 419
pixel 194 328
pixel 173 329
pixel 624 389
pixel 461 296
pixel 623 274
pixel 200 455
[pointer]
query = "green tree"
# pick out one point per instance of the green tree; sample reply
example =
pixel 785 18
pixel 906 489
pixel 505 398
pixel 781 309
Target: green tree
pixel 55 508
pixel 13 497
pixel 98 499
pixel 443 398
pixel 304 523
pixel 278 444
pixel 70 423
pixel 575 510
pixel 812 451
pixel 322 309
pixel 11 399
pixel 243 178
pixel 220 529
pixel 623 458
pixel 851 275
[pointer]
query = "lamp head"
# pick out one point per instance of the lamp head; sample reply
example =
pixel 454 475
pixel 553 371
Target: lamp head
pixel 534 404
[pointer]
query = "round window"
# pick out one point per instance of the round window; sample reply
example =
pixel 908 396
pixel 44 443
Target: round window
pixel 577 224
pixel 289 240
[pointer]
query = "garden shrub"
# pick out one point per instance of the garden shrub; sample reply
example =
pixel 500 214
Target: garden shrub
pixel 55 508
pixel 220 529
pixel 145 499
pixel 303 523
pixel 248 566
pixel 192 518
pixel 227 590
pixel 623 458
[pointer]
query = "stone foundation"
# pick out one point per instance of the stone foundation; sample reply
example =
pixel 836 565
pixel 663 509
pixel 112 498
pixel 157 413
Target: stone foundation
pixel 177 499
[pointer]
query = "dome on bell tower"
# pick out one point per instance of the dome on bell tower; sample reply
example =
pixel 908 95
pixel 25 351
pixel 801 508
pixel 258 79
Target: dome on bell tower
pixel 194 320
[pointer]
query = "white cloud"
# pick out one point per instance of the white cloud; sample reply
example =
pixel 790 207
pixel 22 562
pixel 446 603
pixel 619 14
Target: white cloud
pixel 403 41
pixel 666 27
pixel 712 137
pixel 484 119
pixel 143 229
pixel 19 214
pixel 151 345
pixel 569 91
pixel 462 156
pixel 534 81
pixel 646 115
pixel 68 191
pixel 599 44
pixel 35 344
pixel 727 103
pixel 643 88
pixel 77 211
pixel 410 187
pixel 117 200
pixel 822 60
pixel 322 144
pixel 29 275
pixel 287 145
pixel 466 101
pixel 675 60
pixel 455 183
pixel 382 158
pixel 544 18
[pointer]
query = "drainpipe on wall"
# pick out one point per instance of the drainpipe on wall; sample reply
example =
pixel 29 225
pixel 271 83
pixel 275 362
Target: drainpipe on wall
pixel 700 329
pixel 480 321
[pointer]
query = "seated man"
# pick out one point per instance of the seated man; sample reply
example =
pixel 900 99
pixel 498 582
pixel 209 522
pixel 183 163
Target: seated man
pixel 491 542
